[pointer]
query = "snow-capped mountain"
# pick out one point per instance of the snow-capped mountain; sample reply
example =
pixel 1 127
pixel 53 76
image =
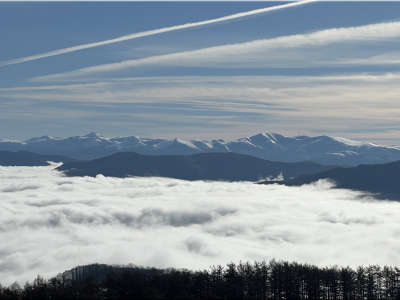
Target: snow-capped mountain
pixel 322 149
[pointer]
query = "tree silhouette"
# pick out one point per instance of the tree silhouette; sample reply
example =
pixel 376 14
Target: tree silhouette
pixel 258 280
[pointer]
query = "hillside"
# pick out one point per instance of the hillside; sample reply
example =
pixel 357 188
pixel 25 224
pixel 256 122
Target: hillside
pixel 380 179
pixel 204 166
pixel 25 158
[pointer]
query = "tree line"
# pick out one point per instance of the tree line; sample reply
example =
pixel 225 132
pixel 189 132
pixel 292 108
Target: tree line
pixel 258 280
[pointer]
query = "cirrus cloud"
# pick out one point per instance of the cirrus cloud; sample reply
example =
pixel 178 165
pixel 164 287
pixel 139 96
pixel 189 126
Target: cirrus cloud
pixel 294 51
pixel 152 32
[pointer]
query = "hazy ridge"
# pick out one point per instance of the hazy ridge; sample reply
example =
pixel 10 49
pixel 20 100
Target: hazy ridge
pixel 325 150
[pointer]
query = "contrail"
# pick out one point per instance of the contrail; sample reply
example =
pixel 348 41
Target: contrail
pixel 150 32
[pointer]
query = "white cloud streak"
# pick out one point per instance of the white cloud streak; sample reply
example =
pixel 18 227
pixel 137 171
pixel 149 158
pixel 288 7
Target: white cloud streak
pixel 353 106
pixel 152 32
pixel 50 223
pixel 259 53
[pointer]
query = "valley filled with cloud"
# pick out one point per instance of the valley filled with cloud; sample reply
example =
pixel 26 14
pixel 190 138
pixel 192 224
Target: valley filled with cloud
pixel 50 223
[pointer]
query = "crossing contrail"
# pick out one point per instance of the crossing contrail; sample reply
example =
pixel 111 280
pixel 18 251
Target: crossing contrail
pixel 151 32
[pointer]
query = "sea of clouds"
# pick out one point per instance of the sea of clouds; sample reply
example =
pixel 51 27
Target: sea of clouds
pixel 50 223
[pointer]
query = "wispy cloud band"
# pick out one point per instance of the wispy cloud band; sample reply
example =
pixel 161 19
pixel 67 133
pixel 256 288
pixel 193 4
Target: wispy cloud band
pixel 151 32
pixel 353 106
pixel 251 54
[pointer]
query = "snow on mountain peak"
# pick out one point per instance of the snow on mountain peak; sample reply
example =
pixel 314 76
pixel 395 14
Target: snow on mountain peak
pixel 221 141
pixel 301 137
pixel 270 141
pixel 353 143
pixel 186 143
pixel 272 146
pixel 92 135
pixel 40 139
pixel 268 135
pixel 11 141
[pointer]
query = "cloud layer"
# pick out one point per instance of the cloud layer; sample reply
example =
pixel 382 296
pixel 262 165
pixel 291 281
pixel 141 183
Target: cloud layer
pixel 49 223
pixel 330 47
pixel 355 106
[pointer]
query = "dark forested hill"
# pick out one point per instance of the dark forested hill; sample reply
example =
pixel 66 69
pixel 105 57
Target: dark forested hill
pixel 383 179
pixel 25 158
pixel 260 280
pixel 203 166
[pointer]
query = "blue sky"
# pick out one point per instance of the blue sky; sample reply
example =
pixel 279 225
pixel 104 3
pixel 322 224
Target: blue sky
pixel 316 68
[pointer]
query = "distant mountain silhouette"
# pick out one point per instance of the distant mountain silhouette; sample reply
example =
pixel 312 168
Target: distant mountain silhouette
pixel 203 166
pixel 25 158
pixel 382 179
pixel 325 150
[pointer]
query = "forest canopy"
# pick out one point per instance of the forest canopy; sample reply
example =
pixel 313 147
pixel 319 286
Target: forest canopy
pixel 258 280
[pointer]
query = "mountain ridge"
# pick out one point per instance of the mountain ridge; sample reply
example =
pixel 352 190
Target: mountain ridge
pixel 26 158
pixel 202 166
pixel 271 146
pixel 382 180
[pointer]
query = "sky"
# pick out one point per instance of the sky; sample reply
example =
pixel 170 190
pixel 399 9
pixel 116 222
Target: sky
pixel 51 223
pixel 312 68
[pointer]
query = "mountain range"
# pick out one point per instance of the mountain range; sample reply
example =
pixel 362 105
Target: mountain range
pixel 202 166
pixel 383 180
pixel 323 149
pixel 25 158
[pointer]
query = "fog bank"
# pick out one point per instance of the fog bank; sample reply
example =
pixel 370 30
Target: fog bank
pixel 50 223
